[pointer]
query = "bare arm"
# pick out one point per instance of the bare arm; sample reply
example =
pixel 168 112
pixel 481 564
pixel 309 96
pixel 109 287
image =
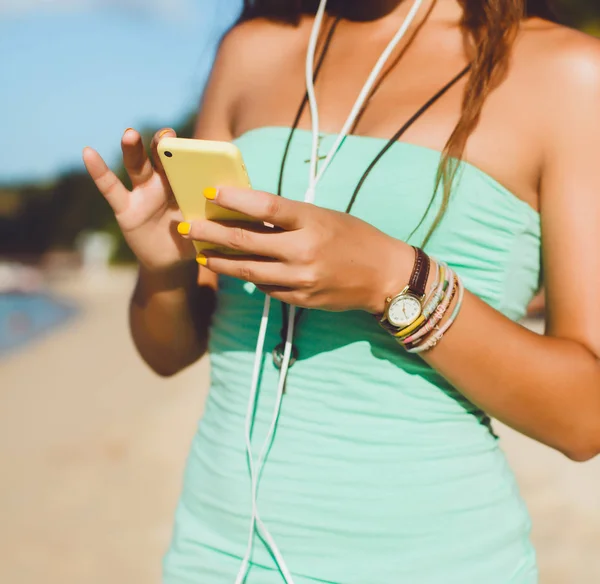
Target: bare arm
pixel 548 387
pixel 171 309
pixel 169 316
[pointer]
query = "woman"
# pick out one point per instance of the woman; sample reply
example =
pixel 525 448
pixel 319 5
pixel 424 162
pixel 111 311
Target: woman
pixel 384 467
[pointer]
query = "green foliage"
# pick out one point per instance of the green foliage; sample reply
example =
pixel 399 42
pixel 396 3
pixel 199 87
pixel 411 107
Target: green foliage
pixel 51 217
pixel 580 13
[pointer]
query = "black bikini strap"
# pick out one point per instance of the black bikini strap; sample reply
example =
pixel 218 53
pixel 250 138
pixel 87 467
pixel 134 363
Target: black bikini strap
pixel 403 129
pixel 379 156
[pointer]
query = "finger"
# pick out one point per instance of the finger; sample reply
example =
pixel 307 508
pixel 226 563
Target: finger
pixel 275 290
pixel 263 206
pixel 136 161
pixel 247 238
pixel 287 295
pixel 283 294
pixel 154 147
pixel 263 271
pixel 107 182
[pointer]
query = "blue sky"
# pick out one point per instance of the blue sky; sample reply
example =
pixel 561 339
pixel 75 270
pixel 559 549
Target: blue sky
pixel 78 72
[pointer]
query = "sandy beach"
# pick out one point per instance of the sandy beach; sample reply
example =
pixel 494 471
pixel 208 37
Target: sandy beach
pixel 92 447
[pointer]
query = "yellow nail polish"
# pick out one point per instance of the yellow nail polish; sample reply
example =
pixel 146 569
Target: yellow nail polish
pixel 184 228
pixel 210 193
pixel 201 259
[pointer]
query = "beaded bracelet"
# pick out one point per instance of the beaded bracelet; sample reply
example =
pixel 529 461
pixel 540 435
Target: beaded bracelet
pixel 438 312
pixel 434 326
pixel 436 337
pixel 437 293
pixel 431 302
pixel 439 276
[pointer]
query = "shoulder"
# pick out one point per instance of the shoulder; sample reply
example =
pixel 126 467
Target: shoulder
pixel 563 63
pixel 560 84
pixel 258 44
pixel 248 55
pixel 556 85
pixel 251 33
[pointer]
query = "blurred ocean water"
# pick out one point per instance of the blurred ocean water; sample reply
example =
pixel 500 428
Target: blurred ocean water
pixel 25 317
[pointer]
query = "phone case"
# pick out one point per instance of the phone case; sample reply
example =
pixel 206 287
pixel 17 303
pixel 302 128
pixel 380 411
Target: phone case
pixel 193 165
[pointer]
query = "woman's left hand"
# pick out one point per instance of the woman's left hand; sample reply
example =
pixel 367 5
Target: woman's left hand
pixel 313 258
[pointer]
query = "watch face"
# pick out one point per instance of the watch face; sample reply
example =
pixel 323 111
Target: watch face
pixel 403 311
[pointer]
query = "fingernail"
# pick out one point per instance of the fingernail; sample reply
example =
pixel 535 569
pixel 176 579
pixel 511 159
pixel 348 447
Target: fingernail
pixel 163 133
pixel 127 130
pixel 201 259
pixel 210 193
pixel 184 228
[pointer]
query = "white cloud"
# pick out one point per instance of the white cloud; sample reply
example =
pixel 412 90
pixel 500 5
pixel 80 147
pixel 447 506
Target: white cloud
pixel 163 9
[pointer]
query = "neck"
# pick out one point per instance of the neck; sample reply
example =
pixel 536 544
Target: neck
pixel 448 11
pixel 363 10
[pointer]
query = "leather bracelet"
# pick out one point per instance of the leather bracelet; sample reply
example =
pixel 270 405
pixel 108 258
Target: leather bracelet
pixel 415 290
pixel 417 284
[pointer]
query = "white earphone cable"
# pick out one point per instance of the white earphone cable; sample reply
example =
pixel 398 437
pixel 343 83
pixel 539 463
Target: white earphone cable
pixel 247 431
pixel 309 72
pixel 368 86
pixel 314 178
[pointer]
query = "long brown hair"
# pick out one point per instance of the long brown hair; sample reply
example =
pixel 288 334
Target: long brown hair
pixel 491 25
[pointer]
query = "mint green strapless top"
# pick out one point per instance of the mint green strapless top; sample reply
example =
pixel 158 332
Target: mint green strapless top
pixel 380 471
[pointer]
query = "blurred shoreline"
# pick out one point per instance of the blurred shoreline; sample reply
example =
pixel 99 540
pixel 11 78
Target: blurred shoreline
pixel 92 448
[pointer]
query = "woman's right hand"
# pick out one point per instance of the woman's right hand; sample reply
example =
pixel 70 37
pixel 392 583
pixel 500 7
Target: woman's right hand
pixel 147 215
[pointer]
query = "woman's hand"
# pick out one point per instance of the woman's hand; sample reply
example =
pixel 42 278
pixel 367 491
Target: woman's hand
pixel 147 215
pixel 314 257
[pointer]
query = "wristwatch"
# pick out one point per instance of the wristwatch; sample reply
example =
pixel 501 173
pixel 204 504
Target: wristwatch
pixel 402 310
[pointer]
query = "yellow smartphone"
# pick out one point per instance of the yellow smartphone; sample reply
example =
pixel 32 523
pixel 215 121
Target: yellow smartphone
pixel 191 166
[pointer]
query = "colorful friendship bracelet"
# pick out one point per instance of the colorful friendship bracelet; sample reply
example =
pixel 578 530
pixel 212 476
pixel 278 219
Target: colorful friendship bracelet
pixel 436 337
pixel 437 293
pixel 439 275
pixel 424 339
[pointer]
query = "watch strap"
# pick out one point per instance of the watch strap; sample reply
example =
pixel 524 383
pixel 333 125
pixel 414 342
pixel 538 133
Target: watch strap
pixel 417 284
